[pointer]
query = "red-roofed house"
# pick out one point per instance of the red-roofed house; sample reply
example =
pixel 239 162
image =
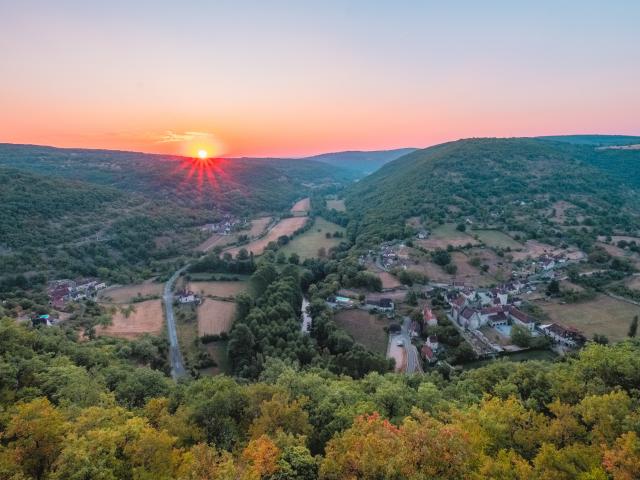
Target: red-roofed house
pixel 427 353
pixel 521 318
pixel 429 317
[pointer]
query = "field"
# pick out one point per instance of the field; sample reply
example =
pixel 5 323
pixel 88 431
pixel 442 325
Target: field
pixel 496 239
pixel 146 318
pixel 364 328
pixel 217 289
pixel 285 226
pixel 126 294
pixel 445 235
pixel 308 244
pixel 301 206
pixel 215 317
pixel 603 315
pixel 388 280
pixel 534 249
pixel 466 272
pixel 633 282
pixel 258 226
pixel 216 240
pixel 336 205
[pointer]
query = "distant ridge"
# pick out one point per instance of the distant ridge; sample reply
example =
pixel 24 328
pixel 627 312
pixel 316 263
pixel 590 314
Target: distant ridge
pixel 595 139
pixel 362 162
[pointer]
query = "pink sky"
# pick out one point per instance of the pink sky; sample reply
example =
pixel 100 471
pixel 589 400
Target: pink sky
pixel 286 79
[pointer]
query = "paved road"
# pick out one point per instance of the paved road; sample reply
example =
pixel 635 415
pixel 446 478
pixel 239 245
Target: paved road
pixel 175 355
pixel 414 364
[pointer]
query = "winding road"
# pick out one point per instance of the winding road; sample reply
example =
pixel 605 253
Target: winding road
pixel 175 355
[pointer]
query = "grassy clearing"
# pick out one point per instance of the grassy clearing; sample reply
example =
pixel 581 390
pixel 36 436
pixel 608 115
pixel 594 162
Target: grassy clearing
pixel 218 289
pixel 445 235
pixel 365 328
pixel 336 205
pixel 308 244
pixel 217 351
pixel 128 293
pixel 496 239
pixel 603 315
pixel 134 320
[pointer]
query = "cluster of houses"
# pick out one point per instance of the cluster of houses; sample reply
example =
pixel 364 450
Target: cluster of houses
pixel 226 226
pixel 187 296
pixel 499 307
pixel 62 291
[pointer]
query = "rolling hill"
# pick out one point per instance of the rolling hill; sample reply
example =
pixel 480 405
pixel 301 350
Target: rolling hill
pixel 361 162
pixel 234 185
pixel 120 215
pixel 510 184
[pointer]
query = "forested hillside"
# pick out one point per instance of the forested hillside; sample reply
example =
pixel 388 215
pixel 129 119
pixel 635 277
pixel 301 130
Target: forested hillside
pixel 234 185
pixel 77 410
pixel 499 183
pixel 120 215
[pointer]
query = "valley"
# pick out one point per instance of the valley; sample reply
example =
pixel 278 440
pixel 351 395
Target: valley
pixel 404 280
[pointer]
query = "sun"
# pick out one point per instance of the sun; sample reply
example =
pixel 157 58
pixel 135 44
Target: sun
pixel 202 154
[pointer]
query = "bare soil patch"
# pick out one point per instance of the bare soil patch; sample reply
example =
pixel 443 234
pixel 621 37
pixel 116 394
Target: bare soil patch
pixel 147 317
pixel 286 226
pixel 215 317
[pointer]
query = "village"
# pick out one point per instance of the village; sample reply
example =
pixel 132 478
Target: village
pixel 492 320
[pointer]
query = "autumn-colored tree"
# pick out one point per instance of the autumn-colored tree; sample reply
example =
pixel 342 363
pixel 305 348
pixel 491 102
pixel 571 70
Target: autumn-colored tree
pixel 260 457
pixel 202 462
pixel 364 451
pixel 506 465
pixel 280 414
pixel 622 460
pixel 34 437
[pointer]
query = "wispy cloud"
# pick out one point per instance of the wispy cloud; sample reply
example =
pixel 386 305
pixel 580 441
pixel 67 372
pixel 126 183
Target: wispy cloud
pixel 172 137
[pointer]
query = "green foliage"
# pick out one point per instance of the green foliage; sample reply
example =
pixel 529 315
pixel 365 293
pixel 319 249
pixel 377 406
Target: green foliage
pixel 506 184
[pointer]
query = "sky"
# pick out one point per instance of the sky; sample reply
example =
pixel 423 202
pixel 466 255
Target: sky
pixel 294 78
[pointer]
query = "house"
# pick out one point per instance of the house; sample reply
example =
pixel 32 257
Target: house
pixel 547 263
pixel 457 306
pixel 429 317
pixel 501 295
pixel 469 318
pixel 432 342
pixel 423 234
pixel 45 320
pixel 498 319
pixel 427 353
pixel 384 304
pixel 487 312
pixel 185 296
pixel 518 317
pixel 567 336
